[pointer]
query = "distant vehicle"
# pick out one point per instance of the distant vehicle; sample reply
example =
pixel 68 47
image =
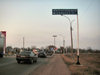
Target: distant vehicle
pixel 35 52
pixel 2 43
pixel 26 56
pixel 42 54
pixel 1 52
pixel 49 52
pixel 58 52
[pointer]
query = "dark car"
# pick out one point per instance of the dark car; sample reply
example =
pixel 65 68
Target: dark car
pixel 26 56
pixel 58 52
pixel 42 54
pixel 49 53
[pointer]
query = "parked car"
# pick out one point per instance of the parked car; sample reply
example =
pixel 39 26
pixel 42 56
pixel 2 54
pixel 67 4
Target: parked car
pixel 42 54
pixel 26 56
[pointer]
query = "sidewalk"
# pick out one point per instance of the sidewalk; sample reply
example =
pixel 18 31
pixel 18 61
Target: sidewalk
pixel 55 66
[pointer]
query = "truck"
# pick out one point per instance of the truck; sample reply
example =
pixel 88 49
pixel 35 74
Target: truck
pixel 2 43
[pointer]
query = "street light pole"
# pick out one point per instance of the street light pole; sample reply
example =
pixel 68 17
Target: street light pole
pixel 63 44
pixel 71 29
pixel 23 42
pixel 63 40
pixel 54 39
pixel 70 22
pixel 78 62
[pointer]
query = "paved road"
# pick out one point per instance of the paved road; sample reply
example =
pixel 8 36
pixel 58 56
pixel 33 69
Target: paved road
pixel 9 66
pixel 53 65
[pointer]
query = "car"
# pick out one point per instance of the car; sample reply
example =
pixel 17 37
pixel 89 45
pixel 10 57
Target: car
pixel 42 54
pixel 49 53
pixel 26 56
pixel 35 51
pixel 58 52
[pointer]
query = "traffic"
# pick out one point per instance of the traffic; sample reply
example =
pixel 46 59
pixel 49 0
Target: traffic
pixel 31 56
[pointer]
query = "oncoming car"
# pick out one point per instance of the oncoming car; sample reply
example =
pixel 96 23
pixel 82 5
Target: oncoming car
pixel 26 56
pixel 42 54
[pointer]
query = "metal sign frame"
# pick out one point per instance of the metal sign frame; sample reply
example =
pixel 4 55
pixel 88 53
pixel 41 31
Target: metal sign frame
pixel 64 11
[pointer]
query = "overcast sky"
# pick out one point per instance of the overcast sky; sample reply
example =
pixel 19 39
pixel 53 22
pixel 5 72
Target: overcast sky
pixel 33 20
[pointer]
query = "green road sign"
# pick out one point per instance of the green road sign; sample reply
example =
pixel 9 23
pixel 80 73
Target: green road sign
pixel 64 11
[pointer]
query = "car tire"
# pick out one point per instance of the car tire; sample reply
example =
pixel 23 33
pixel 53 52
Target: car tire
pixel 18 62
pixel 38 56
pixel 31 61
pixel 1 56
pixel 35 61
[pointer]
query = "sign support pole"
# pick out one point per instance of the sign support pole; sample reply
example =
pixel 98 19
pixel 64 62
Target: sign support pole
pixel 78 62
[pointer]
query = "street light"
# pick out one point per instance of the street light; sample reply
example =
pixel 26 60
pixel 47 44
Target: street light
pixel 70 31
pixel 63 43
pixel 23 42
pixel 54 39
pixel 63 40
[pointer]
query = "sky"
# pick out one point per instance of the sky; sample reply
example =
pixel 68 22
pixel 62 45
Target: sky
pixel 33 20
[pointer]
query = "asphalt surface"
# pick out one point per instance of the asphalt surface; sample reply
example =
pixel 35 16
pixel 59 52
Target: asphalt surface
pixel 9 66
pixel 52 65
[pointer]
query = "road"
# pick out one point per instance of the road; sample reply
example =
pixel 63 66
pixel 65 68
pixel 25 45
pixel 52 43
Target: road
pixel 9 66
pixel 45 66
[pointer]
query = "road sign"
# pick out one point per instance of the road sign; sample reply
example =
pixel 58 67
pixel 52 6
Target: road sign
pixel 64 11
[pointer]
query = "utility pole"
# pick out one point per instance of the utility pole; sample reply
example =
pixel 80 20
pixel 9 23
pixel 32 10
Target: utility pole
pixel 63 44
pixel 71 37
pixel 54 39
pixel 23 42
pixel 63 40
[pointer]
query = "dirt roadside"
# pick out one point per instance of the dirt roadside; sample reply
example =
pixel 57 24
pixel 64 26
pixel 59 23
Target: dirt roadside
pixel 55 66
pixel 90 64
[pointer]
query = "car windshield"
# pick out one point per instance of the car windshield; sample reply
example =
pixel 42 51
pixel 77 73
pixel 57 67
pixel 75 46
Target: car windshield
pixel 25 53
